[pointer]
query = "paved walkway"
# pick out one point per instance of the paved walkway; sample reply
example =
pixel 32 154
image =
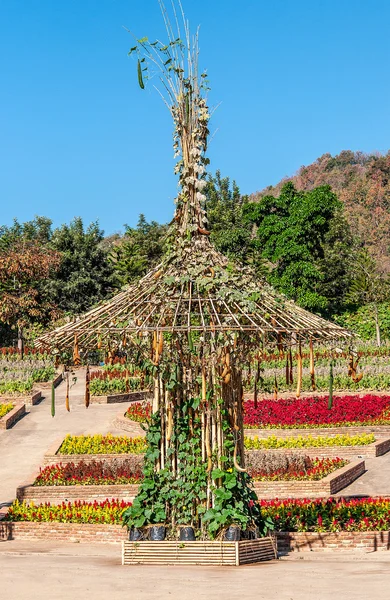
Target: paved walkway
pixel 76 571
pixel 23 446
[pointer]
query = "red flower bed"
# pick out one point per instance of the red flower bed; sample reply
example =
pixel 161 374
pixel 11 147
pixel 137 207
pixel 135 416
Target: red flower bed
pixel 314 412
pixel 89 473
pixel 315 470
pixel 363 514
pixel 139 411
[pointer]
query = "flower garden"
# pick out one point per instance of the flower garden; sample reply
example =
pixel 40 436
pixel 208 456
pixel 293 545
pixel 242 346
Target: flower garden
pixel 303 515
pixel 18 376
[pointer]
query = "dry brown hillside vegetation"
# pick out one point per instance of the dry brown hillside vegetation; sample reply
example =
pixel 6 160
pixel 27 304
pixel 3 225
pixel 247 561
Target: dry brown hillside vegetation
pixel 362 182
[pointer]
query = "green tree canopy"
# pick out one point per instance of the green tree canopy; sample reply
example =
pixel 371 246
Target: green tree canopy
pixel 138 250
pixel 85 276
pixel 230 233
pixel 291 231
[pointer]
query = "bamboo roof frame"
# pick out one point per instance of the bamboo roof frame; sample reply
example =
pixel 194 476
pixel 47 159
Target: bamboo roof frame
pixel 170 299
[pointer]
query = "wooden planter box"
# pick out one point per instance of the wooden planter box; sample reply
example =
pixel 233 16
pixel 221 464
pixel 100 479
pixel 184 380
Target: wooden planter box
pixel 199 553
pixel 14 415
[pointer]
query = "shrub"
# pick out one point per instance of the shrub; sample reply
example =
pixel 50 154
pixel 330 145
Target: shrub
pixel 102 444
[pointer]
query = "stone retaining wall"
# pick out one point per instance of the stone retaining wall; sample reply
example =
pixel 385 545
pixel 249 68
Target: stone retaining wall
pixel 56 494
pixel 67 532
pixel 364 541
pixel 14 415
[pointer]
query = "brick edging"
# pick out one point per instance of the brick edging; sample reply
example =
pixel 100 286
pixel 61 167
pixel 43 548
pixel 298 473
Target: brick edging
pixel 380 430
pixel 13 415
pixel 377 448
pixel 138 396
pixel 367 541
pixel 363 541
pixel 329 485
pixel 56 494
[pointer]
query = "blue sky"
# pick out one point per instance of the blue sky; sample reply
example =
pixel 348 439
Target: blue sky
pixel 295 78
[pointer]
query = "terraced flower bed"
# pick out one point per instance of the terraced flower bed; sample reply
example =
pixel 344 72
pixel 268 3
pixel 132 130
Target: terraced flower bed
pixel 304 413
pixel 306 515
pixel 107 511
pixel 5 409
pixel 312 470
pixel 101 444
pixel 90 473
pixel 330 515
pixel 273 442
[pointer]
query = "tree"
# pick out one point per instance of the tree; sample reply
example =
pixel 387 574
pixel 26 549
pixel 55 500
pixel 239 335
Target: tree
pixel 291 231
pixel 229 231
pixel 369 287
pixel 24 264
pixel 140 249
pixel 85 276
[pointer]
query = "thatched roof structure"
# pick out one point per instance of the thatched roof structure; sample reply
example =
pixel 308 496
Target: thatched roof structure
pixel 196 288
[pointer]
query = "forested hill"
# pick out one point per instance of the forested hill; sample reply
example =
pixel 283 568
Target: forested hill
pixel 362 183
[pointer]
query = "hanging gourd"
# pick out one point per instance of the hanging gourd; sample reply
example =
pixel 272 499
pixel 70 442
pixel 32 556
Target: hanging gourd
pixel 299 370
pixel 67 405
pixel 76 353
pixel 53 400
pixel 330 400
pixel 276 388
pixel 352 368
pixel 291 375
pixel 87 393
pixel 312 376
pixel 257 377
pixel 99 342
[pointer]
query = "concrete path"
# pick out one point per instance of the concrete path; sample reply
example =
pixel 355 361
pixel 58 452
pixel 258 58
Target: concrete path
pixel 73 571
pixel 23 446
pixel 374 482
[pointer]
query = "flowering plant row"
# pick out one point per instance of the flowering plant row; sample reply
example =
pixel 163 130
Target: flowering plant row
pixel 102 444
pixel 309 412
pixel 139 411
pixel 363 514
pixel 316 469
pixel 310 441
pixel 108 511
pixel 101 386
pixel 5 409
pixel 10 353
pixel 89 473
